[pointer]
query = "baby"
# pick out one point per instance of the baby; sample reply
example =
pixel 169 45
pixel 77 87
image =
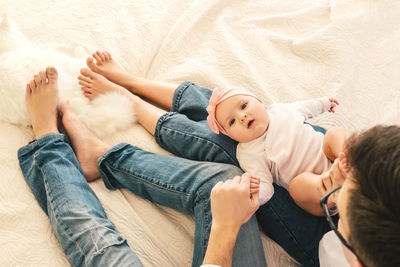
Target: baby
pixel 275 144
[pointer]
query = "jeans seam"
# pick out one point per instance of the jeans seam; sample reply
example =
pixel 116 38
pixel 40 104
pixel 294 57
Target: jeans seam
pixel 157 132
pixel 205 213
pixel 206 238
pixel 179 93
pixel 205 223
pixel 289 233
pixel 56 216
pixel 148 181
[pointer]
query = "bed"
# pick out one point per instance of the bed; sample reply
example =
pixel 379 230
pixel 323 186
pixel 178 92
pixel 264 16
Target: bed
pixel 281 50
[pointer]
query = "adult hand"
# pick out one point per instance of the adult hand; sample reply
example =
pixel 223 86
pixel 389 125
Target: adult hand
pixel 232 203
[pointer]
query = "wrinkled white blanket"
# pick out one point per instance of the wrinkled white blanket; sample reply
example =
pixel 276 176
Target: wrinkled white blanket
pixel 281 50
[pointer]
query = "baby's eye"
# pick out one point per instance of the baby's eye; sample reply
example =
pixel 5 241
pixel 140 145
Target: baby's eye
pixel 232 121
pixel 244 105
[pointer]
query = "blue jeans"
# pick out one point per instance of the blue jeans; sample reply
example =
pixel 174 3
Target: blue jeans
pixel 184 131
pixel 86 235
pixel 54 175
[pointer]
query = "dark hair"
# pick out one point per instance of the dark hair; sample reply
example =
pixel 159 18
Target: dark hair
pixel 374 204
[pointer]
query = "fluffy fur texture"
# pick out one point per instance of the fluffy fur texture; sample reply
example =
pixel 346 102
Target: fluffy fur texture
pixel 19 61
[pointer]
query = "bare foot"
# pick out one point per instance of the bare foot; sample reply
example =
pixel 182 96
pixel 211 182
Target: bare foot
pixel 41 102
pixel 326 184
pixel 88 148
pixel 103 64
pixel 344 165
pixel 94 84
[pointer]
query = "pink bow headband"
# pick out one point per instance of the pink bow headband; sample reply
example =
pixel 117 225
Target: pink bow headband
pixel 217 97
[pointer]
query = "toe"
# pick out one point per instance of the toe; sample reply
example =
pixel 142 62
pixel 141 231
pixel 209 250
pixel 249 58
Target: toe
pixel 86 89
pixel 32 85
pixel 87 95
pixel 97 57
pixel 37 79
pixel 90 63
pixel 87 73
pixel 52 74
pixel 28 88
pixel 84 78
pixel 43 77
pixel 101 55
pixel 107 55
pixel 84 84
pixel 92 96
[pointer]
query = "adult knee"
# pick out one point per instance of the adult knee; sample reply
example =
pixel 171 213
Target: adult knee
pixel 222 173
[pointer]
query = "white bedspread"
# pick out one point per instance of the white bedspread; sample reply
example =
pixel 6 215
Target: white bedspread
pixel 282 50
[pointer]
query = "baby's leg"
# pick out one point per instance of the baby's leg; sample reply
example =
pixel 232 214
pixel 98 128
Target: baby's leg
pixel 304 189
pixel 159 92
pixel 333 142
pixel 307 189
pixel 94 84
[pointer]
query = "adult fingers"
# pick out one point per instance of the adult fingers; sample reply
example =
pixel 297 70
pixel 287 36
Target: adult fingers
pixel 255 202
pixel 254 190
pixel 217 186
pixel 245 180
pixel 237 179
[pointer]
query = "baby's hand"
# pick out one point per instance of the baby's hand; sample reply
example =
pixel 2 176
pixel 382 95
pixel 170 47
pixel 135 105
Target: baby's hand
pixel 254 184
pixel 334 103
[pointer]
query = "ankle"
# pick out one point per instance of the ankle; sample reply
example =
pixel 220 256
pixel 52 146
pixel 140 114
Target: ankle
pixel 134 84
pixel 43 132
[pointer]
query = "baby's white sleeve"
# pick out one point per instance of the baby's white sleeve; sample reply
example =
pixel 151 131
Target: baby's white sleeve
pixel 312 108
pixel 255 164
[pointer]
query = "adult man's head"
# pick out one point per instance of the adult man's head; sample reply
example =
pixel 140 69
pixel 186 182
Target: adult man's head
pixel 369 202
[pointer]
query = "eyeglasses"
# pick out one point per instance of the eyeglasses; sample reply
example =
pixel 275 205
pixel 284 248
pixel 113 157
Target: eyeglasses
pixel 329 212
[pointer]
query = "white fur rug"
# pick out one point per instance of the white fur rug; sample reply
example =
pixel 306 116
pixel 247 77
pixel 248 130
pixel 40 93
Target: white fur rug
pixel 19 60
pixel 281 50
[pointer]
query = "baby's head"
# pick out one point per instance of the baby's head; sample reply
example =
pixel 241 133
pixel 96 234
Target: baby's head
pixel 238 114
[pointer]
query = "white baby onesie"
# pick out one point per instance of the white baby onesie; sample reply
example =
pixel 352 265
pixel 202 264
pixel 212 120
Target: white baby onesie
pixel 288 147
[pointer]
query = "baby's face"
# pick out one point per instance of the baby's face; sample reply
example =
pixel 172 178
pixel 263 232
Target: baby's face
pixel 243 118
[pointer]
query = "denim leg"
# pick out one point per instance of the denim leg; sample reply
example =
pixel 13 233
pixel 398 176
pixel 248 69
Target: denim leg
pixel 183 185
pixel 191 100
pixel 194 140
pixel 297 231
pixel 86 235
pixel 184 131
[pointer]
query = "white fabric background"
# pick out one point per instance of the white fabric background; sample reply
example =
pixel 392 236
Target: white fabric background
pixel 281 50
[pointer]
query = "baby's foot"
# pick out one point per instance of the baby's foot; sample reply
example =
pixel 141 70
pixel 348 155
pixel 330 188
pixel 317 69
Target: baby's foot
pixel 326 184
pixel 87 146
pixel 103 64
pixel 94 84
pixel 41 102
pixel 344 165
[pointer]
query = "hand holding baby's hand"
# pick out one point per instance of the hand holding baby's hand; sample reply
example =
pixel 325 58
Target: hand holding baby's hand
pixel 334 103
